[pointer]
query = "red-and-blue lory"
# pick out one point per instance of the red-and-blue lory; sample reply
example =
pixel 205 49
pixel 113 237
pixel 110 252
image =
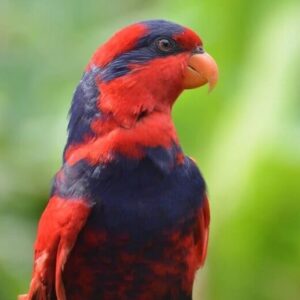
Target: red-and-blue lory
pixel 128 215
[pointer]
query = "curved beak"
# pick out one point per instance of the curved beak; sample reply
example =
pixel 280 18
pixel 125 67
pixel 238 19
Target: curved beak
pixel 201 69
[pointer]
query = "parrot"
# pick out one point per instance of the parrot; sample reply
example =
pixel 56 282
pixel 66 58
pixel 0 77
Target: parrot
pixel 128 213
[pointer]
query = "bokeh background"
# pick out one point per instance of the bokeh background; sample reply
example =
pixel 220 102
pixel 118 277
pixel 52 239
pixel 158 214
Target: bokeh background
pixel 245 135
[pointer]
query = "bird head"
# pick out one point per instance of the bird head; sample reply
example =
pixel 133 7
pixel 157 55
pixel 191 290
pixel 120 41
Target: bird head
pixel 136 76
pixel 150 64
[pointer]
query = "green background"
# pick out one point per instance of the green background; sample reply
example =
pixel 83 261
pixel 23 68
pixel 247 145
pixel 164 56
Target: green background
pixel 245 135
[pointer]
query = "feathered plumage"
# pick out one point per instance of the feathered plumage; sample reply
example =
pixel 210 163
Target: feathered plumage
pixel 128 214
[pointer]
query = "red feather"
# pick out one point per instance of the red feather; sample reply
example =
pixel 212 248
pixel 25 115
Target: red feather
pixel 58 229
pixel 202 232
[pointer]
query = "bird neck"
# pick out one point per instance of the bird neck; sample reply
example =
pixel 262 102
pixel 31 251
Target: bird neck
pixel 154 131
pixel 118 118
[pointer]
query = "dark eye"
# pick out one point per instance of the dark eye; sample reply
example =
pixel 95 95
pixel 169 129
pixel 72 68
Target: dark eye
pixel 165 45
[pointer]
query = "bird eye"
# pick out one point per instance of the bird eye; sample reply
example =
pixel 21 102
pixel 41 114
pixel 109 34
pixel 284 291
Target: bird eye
pixel 165 45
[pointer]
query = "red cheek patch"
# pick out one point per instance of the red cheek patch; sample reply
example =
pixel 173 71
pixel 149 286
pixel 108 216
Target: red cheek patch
pixel 145 87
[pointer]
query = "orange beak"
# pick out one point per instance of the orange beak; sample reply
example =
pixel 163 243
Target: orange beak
pixel 201 69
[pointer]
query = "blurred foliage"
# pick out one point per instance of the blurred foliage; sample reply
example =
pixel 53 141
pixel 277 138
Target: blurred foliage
pixel 245 135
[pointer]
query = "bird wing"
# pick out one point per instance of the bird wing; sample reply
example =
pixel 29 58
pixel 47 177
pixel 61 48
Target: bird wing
pixel 201 232
pixel 58 229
